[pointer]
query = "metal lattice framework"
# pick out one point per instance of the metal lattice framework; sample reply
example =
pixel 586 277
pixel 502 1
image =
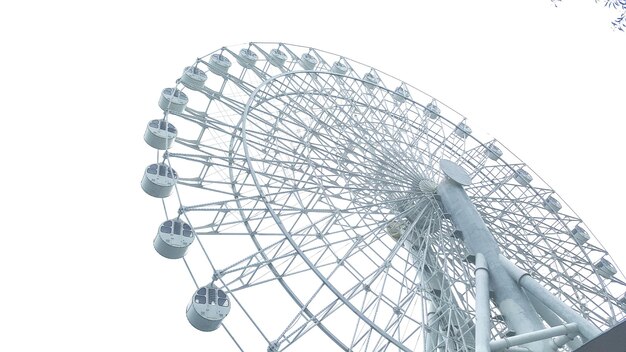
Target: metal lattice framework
pixel 311 180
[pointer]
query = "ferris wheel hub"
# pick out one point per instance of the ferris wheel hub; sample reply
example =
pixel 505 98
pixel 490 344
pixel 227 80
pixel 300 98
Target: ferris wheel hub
pixel 427 186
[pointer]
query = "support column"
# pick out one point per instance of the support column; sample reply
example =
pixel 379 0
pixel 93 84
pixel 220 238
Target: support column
pixel 502 344
pixel 553 320
pixel 588 330
pixel 432 336
pixel 432 278
pixel 519 314
pixel 483 326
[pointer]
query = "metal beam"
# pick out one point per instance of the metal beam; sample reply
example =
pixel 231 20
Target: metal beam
pixel 587 329
pixel 502 344
pixel 483 326
pixel 519 314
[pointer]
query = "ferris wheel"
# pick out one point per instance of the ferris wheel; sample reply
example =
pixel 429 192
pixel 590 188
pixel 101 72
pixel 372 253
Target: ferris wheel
pixel 318 203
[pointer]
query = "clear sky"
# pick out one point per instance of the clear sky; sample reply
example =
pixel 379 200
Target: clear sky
pixel 80 80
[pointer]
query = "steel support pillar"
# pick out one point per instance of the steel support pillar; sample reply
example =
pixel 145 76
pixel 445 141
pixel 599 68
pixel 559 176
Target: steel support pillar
pixel 483 326
pixel 518 313
pixel 553 320
pixel 587 330
pixel 502 344
pixel 432 334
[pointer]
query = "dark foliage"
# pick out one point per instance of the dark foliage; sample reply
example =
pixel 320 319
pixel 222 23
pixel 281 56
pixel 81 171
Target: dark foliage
pixel 619 5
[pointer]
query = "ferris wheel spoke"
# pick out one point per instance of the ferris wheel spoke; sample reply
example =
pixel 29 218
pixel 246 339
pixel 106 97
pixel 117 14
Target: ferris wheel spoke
pixel 232 338
pixel 358 283
pixel 306 249
pixel 374 169
pixel 475 157
pixel 283 262
pixel 332 307
pixel 399 319
pixel 556 272
pixel 432 143
pixel 304 110
pixel 440 278
pixel 329 308
pixel 294 332
pixel 213 150
pixel 489 182
pixel 306 172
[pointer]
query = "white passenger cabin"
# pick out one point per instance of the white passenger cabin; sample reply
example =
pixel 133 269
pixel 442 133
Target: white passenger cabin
pixel 277 58
pixel 522 177
pixel 605 268
pixel 173 100
pixel 339 68
pixel 247 58
pixel 431 110
pixel 308 61
pixel 208 307
pixel 173 238
pixel 493 152
pixel 159 180
pixel 193 78
pixel 580 235
pixel 552 204
pixel 219 64
pixel 160 134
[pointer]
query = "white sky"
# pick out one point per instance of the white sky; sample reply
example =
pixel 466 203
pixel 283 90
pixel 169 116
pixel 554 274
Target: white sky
pixel 81 80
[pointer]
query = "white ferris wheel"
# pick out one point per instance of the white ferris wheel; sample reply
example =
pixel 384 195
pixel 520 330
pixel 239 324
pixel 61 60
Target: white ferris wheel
pixel 320 204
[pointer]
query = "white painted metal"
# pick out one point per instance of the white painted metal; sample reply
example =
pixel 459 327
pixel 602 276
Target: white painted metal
pixel 560 341
pixel 518 313
pixel 159 180
pixel 432 111
pixel 502 344
pixel 493 152
pixel 322 189
pixel 160 134
pixel 622 302
pixel 219 64
pixel 277 57
pixel 193 78
pixel 247 58
pixel 483 323
pixel 455 173
pixel 523 177
pixel 432 333
pixel 173 100
pixel 173 238
pixel 308 61
pixel 553 320
pixel 207 308
pixel 588 330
